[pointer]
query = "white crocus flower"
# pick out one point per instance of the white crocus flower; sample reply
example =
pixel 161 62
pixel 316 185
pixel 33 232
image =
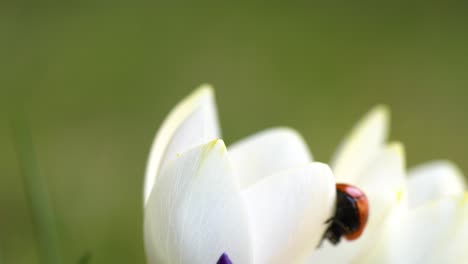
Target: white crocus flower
pixel 422 218
pixel 263 200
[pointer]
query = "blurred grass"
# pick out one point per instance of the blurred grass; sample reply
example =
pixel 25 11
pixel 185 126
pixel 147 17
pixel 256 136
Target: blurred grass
pixel 41 211
pixel 97 82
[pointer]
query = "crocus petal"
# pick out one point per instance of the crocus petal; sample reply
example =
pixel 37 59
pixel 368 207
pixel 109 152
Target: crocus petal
pixel 375 253
pixel 434 180
pixel 427 234
pixel 196 212
pixel 361 146
pixel 192 122
pixel 288 212
pixel 266 153
pixel 386 170
pixel 224 259
pixel 455 250
pixel 383 181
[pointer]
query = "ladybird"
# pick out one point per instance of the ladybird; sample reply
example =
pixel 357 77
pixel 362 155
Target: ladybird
pixel 351 213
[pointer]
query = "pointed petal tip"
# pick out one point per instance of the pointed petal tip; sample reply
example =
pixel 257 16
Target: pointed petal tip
pixel 204 89
pixel 199 105
pixel 216 144
pixel 361 145
pixel 377 117
pixel 398 148
pixel 381 109
pixel 378 114
pixel 203 92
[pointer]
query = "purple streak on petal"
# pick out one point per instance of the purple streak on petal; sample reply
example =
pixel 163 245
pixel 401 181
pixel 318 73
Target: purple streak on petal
pixel 224 259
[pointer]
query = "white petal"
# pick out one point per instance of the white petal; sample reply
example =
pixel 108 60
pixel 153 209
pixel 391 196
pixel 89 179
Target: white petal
pixel 377 252
pixel 196 212
pixel 360 147
pixel 192 122
pixel 386 172
pixel 455 249
pixel 434 180
pixel 288 212
pixel 384 185
pixel 268 152
pixel 427 234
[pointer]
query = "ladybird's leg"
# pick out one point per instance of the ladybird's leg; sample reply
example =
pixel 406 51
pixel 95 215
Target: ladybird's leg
pixel 328 234
pixel 334 234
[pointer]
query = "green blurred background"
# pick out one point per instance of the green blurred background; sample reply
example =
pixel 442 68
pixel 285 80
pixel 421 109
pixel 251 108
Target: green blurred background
pixel 97 81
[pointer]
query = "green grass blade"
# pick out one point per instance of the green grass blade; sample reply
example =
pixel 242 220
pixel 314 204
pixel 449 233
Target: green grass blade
pixel 37 195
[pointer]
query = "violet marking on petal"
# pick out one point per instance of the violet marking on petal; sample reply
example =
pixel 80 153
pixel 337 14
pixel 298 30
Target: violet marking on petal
pixel 224 259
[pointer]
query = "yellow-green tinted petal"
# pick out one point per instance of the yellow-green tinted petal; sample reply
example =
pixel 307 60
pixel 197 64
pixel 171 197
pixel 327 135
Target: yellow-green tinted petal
pixel 192 122
pixel 196 212
pixel 359 148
